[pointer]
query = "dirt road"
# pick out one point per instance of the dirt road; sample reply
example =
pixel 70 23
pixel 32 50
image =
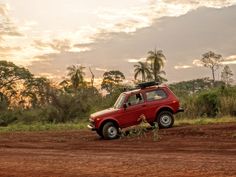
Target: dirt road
pixel 182 151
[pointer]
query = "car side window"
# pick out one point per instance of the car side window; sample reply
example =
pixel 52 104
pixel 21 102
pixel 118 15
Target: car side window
pixel 135 99
pixel 156 95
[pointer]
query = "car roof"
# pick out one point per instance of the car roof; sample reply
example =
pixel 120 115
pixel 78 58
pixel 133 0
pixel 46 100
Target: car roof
pixel 144 89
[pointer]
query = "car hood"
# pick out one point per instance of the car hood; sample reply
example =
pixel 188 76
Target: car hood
pixel 103 112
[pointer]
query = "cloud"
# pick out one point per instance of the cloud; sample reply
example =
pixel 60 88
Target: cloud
pixel 27 26
pixel 7 26
pixel 100 69
pixel 4 9
pixel 182 67
pixel 230 60
pixel 134 60
pixel 39 44
pixel 44 57
pixel 7 50
pixel 59 45
pixel 49 76
pixel 130 20
pixel 197 63
pixel 83 45
pixel 208 3
pixel 231 57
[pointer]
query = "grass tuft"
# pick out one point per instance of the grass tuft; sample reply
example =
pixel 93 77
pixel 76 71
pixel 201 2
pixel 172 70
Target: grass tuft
pixel 43 127
pixel 139 130
pixel 204 121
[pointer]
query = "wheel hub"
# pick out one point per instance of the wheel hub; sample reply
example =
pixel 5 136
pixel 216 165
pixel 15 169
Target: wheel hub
pixel 112 131
pixel 165 120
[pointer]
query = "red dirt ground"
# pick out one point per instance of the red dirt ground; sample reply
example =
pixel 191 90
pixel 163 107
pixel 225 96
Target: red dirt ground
pixel 208 150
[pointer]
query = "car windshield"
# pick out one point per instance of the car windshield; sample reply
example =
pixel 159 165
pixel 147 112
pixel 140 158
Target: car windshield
pixel 119 102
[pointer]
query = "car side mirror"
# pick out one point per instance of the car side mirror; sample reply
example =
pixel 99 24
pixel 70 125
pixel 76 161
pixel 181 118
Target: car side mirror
pixel 125 106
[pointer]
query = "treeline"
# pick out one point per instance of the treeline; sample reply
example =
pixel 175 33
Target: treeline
pixel 201 99
pixel 26 98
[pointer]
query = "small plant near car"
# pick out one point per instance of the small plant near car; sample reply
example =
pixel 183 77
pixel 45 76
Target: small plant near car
pixel 155 131
pixel 137 130
pixel 141 129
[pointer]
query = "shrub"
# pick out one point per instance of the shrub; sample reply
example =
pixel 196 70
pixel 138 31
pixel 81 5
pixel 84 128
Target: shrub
pixel 8 117
pixel 208 104
pixel 228 106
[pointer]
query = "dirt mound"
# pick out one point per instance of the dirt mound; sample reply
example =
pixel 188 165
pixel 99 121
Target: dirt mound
pixel 208 150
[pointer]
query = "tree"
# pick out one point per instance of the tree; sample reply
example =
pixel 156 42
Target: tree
pixel 10 74
pixel 156 59
pixel 226 75
pixel 92 78
pixel 213 61
pixel 76 75
pixel 142 69
pixel 4 103
pixel 38 91
pixel 111 79
pixel 12 77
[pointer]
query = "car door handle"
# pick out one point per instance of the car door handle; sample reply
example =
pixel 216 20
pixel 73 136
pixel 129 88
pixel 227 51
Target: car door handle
pixel 144 105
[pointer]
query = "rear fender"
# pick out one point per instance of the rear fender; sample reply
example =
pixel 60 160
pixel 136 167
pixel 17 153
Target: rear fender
pixel 164 108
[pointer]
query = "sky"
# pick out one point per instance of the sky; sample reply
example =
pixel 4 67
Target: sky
pixel 47 36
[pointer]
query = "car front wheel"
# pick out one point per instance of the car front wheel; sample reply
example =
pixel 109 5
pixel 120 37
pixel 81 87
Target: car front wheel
pixel 165 119
pixel 99 133
pixel 110 131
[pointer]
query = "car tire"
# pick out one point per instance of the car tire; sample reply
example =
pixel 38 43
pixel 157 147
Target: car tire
pixel 165 119
pixel 110 131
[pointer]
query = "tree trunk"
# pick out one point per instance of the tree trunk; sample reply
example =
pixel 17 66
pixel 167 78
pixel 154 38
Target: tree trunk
pixel 143 76
pixel 213 76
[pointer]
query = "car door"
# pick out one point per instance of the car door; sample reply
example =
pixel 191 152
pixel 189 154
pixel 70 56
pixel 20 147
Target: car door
pixel 135 108
pixel 155 99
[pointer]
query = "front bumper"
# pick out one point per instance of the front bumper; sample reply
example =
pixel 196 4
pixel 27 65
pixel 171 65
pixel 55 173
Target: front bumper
pixel 91 125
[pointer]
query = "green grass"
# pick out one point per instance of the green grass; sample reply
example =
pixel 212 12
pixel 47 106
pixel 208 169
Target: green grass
pixel 204 121
pixel 19 127
pixel 43 127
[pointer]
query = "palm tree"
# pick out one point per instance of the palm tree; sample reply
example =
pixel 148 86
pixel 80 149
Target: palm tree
pixel 142 69
pixel 76 75
pixel 156 59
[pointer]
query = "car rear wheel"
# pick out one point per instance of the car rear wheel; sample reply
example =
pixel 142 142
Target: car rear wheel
pixel 165 119
pixel 110 131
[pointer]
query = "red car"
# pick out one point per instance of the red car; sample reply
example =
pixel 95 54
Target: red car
pixel 156 102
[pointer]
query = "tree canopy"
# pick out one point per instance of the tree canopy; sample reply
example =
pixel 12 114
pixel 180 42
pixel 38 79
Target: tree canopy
pixel 156 58
pixel 76 74
pixel 142 69
pixel 112 79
